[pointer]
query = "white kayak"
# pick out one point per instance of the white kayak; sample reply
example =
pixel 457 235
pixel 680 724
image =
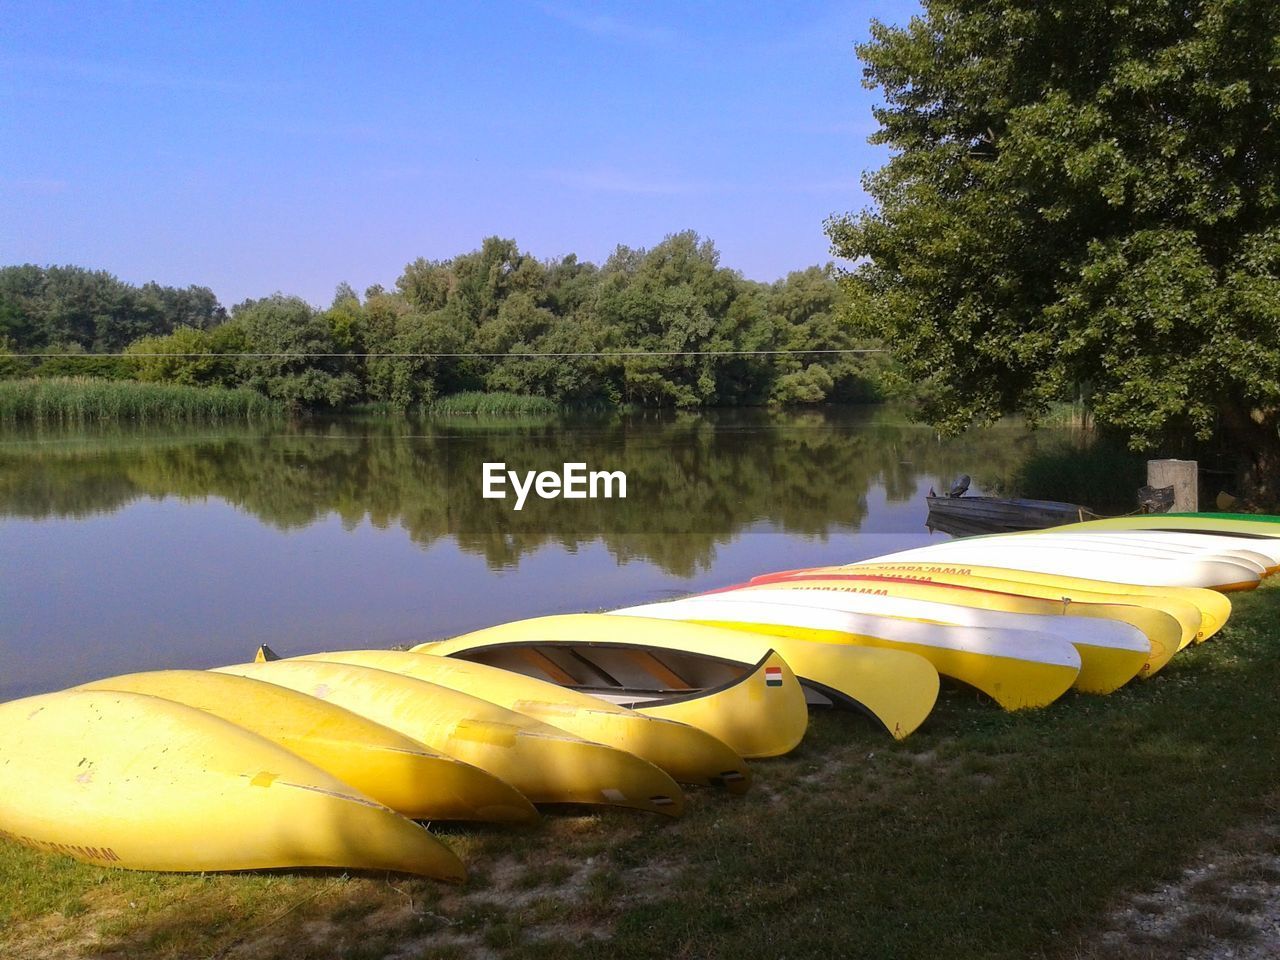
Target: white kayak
pixel 1130 547
pixel 1015 668
pixel 1263 552
pixel 1041 555
pixel 1111 652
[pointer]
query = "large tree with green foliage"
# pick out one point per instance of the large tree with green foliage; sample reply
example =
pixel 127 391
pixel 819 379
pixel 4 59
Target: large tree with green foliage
pixel 291 355
pixel 1083 199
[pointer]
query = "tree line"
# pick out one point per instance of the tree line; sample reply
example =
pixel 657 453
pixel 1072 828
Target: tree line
pixel 663 327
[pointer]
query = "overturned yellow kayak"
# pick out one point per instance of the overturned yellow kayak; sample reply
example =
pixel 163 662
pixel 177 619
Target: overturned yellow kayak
pixel 126 780
pixel 896 688
pixel 1188 615
pixel 1135 565
pixel 687 754
pixel 400 772
pixel 1214 607
pixel 547 765
pixel 1162 632
pixel 1111 653
pixel 1019 669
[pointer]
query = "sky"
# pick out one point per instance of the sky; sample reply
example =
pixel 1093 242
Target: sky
pixel 252 148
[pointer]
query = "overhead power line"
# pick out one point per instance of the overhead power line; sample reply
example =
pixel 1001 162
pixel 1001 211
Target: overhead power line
pixel 454 356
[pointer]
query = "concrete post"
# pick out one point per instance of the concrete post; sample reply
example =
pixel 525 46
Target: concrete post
pixel 1183 476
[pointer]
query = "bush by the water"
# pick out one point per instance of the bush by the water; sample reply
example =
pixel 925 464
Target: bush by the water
pixel 86 400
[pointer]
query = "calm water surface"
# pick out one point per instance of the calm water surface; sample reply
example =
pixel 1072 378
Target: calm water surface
pixel 132 549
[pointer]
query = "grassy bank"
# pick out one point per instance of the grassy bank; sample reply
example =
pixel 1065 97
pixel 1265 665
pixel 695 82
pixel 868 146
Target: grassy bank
pixel 86 400
pixel 984 835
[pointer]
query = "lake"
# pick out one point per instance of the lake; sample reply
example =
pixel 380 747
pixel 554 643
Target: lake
pixel 129 549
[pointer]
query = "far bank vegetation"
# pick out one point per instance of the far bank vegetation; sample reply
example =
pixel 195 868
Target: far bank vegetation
pixel 665 327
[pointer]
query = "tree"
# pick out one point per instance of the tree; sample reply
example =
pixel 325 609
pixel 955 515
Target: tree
pixel 46 306
pixel 290 354
pixel 1084 196
pixel 344 292
pixel 10 366
pixel 671 301
pixel 193 306
pixel 809 313
pixel 189 356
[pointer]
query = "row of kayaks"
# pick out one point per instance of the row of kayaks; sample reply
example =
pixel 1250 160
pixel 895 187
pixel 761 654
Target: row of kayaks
pixel 328 760
pixel 339 759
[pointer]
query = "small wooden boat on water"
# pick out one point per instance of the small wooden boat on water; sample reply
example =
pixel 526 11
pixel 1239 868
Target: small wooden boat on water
pixel 965 515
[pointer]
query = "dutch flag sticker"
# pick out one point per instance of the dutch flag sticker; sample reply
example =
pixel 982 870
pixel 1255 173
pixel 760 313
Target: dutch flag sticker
pixel 773 676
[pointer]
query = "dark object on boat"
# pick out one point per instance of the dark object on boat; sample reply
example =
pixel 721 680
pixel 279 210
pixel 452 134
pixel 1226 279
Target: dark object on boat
pixel 1155 499
pixel 960 487
pixel 965 516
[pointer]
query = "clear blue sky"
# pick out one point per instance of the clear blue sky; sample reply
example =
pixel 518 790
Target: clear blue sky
pixel 289 147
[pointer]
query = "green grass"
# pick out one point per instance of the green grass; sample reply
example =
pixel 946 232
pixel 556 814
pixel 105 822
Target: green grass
pixel 78 400
pixel 984 835
pixel 477 402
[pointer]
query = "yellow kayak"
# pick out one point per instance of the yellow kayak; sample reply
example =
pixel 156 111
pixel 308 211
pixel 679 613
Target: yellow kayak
pixel 897 689
pixel 1162 631
pixel 402 773
pixel 687 754
pixel 1111 653
pixel 546 764
pixel 126 780
pixel 1135 564
pixel 759 712
pixel 1185 613
pixel 1213 607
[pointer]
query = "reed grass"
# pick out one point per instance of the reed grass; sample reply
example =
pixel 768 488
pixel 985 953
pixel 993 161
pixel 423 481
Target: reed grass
pixel 497 402
pixel 87 400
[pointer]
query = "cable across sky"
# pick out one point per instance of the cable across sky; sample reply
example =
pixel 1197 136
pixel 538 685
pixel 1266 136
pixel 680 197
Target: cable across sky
pixel 461 356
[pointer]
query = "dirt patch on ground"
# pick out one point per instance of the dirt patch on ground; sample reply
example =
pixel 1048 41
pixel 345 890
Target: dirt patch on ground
pixel 514 902
pixel 1225 905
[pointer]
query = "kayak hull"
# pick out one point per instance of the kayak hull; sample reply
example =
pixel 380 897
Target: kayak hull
pixel 125 780
pixel 1124 623
pixel 400 772
pixel 1022 552
pixel 688 755
pixel 1214 608
pixel 1110 654
pixel 530 759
